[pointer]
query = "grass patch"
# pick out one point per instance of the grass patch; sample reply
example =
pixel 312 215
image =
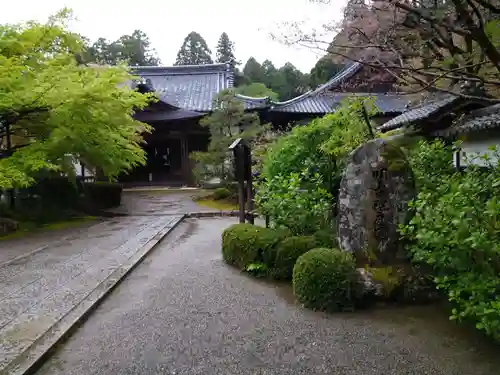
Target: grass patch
pixel 30 227
pixel 221 205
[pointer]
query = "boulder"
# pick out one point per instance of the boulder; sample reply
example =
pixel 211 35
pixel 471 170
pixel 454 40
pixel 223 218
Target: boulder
pixel 374 193
pixel 400 284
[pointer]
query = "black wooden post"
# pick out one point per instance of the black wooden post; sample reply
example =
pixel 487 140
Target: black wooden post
pixel 12 192
pixel 248 173
pixel 368 124
pixel 239 164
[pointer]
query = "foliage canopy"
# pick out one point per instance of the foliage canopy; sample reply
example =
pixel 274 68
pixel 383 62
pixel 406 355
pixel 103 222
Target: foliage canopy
pixel 53 107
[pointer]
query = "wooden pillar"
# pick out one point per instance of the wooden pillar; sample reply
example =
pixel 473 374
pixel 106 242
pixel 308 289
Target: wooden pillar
pixel 12 192
pixel 185 165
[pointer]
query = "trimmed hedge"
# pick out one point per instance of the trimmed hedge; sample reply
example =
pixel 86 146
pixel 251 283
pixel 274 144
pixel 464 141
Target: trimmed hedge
pixel 244 244
pixel 221 193
pixel 287 253
pixel 326 238
pixel 325 279
pixel 103 195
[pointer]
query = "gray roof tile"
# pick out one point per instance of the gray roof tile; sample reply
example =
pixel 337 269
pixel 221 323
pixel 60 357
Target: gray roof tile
pixel 254 103
pixel 480 119
pixel 323 100
pixel 190 87
pixel 328 102
pixel 418 113
pixel 310 101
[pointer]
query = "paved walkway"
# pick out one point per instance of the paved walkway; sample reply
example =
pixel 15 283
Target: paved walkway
pixel 159 202
pixel 42 289
pixel 183 311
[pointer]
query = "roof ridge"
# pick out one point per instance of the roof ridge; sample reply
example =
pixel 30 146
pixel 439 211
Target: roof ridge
pixel 250 98
pixel 336 79
pixel 180 67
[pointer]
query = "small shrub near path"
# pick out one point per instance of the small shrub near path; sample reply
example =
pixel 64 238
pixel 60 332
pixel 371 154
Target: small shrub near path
pixel 221 193
pixel 287 253
pixel 325 279
pixel 245 244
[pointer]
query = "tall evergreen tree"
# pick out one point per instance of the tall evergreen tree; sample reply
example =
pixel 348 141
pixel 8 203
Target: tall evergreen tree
pixel 194 51
pixel 253 71
pixel 225 50
pixel 134 49
pixel 324 70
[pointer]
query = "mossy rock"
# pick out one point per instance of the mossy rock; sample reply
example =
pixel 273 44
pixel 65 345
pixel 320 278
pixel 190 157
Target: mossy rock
pixel 325 279
pixel 244 244
pixel 287 253
pixel 399 284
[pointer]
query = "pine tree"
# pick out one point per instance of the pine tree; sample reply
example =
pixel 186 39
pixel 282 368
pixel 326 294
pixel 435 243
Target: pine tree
pixel 194 51
pixel 227 122
pixel 225 51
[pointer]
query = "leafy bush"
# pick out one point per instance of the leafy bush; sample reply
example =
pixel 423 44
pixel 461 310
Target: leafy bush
pixel 299 152
pixel 326 237
pixel 290 204
pixel 325 279
pixel 456 230
pixel 245 244
pixel 103 195
pixel 287 253
pixel 301 172
pixel 221 193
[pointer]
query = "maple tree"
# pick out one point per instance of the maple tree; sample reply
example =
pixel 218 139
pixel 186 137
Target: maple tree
pixel 54 111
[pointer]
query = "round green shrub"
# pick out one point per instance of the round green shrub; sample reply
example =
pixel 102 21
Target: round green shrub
pixel 287 253
pixel 325 279
pixel 243 244
pixel 326 238
pixel 221 193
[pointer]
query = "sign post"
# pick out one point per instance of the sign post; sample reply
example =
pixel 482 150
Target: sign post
pixel 243 173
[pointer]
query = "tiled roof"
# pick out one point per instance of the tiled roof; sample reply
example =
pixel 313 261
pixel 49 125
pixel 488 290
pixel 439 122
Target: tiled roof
pixel 190 87
pixel 310 102
pixel 480 119
pixel 254 103
pixel 419 113
pixel 328 102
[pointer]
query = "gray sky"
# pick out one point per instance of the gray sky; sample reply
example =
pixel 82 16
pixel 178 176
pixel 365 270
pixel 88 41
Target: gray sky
pixel 166 22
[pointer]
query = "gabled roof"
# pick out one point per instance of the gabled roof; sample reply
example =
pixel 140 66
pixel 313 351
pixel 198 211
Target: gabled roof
pixel 420 113
pixel 324 100
pixel 311 101
pixel 188 87
pixel 250 102
pixel 385 103
pixel 478 120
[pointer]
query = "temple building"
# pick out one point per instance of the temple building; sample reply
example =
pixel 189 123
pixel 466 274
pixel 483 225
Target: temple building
pixel 186 95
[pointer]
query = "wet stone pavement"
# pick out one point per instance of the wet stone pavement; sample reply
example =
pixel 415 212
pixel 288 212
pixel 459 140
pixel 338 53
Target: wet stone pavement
pixel 183 311
pixel 159 202
pixel 39 289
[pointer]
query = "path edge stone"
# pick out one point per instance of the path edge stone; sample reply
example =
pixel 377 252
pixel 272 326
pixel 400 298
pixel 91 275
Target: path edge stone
pixel 28 361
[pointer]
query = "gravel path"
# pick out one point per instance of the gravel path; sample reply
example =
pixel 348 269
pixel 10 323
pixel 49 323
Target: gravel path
pixel 40 289
pixel 183 311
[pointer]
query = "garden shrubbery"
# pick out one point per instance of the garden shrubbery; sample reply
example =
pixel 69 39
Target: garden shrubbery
pixel 246 244
pixel 102 195
pixel 301 172
pixel 325 279
pixel 456 231
pixel 287 253
pixel 326 237
pixel 222 193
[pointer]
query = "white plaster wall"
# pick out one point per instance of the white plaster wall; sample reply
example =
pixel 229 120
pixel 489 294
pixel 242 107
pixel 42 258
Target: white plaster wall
pixel 478 146
pixel 78 170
